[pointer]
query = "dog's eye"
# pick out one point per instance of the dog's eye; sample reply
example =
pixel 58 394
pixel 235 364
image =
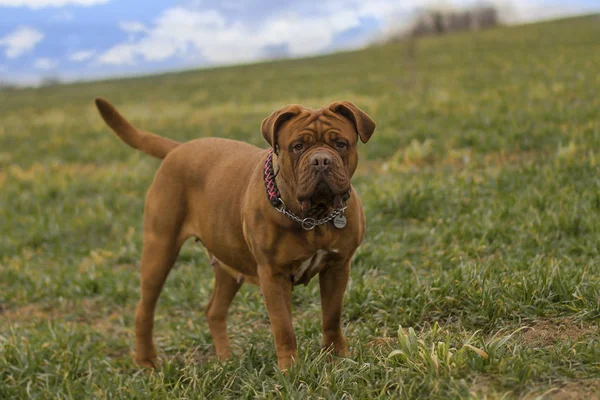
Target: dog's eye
pixel 341 144
pixel 298 147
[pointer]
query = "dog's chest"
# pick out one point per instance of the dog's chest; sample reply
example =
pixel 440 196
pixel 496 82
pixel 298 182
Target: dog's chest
pixel 309 268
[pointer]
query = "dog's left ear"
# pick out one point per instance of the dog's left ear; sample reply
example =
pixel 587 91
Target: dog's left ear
pixel 273 122
pixel 364 125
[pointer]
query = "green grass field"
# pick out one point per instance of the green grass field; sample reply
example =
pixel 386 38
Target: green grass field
pixel 481 187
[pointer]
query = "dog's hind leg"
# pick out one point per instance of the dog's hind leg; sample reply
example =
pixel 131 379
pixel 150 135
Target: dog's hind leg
pixel 225 289
pixel 162 240
pixel 157 260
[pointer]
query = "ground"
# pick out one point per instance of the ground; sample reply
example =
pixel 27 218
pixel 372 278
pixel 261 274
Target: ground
pixel 479 276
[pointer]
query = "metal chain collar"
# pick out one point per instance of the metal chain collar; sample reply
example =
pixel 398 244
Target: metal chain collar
pixel 309 223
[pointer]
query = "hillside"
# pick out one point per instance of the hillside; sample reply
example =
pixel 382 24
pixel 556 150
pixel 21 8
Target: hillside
pixel 482 194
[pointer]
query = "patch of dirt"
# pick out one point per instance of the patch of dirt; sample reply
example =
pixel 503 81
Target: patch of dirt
pixel 550 332
pixel 196 355
pixel 576 389
pixel 30 312
pixel 481 387
pixel 382 341
pixel 91 312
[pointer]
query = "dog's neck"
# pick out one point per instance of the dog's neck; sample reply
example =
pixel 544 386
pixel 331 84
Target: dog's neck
pixel 286 191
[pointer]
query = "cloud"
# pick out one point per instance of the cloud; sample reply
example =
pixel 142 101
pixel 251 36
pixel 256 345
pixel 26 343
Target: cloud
pixel 193 32
pixel 297 29
pixel 22 40
pixel 183 32
pixel 45 63
pixel 62 16
pixel 394 16
pixel 35 4
pixel 132 26
pixel 82 55
pixel 529 11
pixel 121 54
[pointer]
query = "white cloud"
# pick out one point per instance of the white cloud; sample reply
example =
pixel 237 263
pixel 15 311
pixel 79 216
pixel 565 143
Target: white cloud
pixel 35 4
pixel 121 54
pixel 185 32
pixel 45 63
pixel 180 32
pixel 529 11
pixel 82 55
pixel 62 16
pixel 22 40
pixel 193 32
pixel 133 26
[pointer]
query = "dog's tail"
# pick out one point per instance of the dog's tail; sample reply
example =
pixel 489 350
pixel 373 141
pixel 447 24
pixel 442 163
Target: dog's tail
pixel 149 143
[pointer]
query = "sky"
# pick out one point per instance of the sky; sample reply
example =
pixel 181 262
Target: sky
pixel 90 39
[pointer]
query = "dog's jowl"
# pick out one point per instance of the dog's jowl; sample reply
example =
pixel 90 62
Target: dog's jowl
pixel 275 217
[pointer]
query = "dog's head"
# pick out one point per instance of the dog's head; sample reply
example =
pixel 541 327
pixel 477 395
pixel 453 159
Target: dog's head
pixel 317 149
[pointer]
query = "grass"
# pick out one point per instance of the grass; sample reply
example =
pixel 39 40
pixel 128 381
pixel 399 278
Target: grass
pixel 479 276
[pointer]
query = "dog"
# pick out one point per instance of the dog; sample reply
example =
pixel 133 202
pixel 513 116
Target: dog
pixel 275 217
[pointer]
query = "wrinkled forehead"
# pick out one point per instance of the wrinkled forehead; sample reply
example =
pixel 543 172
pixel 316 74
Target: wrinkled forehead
pixel 318 122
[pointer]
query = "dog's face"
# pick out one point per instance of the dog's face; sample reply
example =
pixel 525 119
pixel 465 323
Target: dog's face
pixel 317 149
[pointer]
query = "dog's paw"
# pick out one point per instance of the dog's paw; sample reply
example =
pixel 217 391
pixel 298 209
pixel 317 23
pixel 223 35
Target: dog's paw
pixel 342 352
pixel 150 363
pixel 285 363
pixel 224 355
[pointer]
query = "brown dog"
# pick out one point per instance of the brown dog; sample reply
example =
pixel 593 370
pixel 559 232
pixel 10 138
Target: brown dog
pixel 276 229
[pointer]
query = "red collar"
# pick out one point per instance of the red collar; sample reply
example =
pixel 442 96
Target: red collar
pixel 270 185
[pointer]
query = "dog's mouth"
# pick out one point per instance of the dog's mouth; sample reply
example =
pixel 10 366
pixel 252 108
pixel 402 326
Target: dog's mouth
pixel 322 200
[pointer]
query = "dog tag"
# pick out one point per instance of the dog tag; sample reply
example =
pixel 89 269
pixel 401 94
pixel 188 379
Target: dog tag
pixel 339 221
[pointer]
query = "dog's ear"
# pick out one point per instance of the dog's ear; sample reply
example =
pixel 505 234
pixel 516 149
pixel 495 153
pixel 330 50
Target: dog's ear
pixel 364 125
pixel 273 122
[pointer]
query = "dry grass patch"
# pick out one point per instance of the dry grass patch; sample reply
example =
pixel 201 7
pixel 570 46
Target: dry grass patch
pixel 482 387
pixel 42 173
pixel 28 313
pixel 577 389
pixel 88 311
pixel 549 332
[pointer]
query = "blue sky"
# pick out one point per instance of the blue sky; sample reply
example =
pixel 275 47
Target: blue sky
pixel 86 39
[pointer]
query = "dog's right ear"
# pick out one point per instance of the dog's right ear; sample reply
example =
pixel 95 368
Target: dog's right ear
pixel 273 122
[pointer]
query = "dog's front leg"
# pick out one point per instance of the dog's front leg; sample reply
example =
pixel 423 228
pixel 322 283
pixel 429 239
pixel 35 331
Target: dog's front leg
pixel 277 291
pixel 332 282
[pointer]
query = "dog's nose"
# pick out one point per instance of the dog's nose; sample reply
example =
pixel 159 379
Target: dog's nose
pixel 320 161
